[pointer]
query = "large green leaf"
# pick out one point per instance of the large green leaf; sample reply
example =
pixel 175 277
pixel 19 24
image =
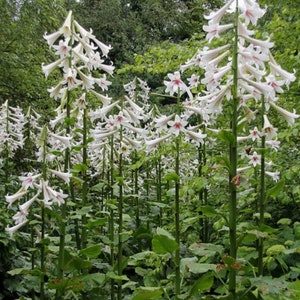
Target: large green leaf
pixel 163 242
pixel 150 293
pixel 91 251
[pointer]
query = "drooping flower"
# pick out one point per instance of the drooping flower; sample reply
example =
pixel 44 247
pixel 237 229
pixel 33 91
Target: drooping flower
pixel 273 175
pixel 28 181
pixel 288 116
pixel 12 230
pixel 12 198
pixel 255 159
pixel 268 130
pixel 176 85
pixel 177 125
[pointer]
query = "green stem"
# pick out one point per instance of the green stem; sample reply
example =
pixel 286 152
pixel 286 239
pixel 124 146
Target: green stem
pixel 62 225
pixel 42 245
pixel 262 195
pixel 111 219
pixel 233 161
pixel 84 178
pixel 177 221
pixel 158 188
pixel 120 220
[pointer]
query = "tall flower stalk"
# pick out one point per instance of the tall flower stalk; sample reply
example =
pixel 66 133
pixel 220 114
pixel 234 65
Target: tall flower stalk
pixel 246 81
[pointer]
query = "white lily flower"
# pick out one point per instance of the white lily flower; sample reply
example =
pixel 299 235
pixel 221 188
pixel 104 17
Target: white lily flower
pixel 63 175
pixel 268 130
pixel 25 206
pixel 49 68
pixel 288 116
pixel 12 230
pixel 12 198
pixel 215 17
pixel 273 175
pixel 151 144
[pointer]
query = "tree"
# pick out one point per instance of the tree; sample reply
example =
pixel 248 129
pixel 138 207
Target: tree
pixel 22 26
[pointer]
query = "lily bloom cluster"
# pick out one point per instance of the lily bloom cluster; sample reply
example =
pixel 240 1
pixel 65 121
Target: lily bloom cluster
pixel 123 126
pixel 260 78
pixel 78 54
pixel 12 121
pixel 44 194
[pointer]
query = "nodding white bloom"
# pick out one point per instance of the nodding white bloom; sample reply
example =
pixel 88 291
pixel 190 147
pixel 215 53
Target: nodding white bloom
pixel 288 116
pixel 104 48
pixel 162 122
pixel 80 102
pixel 254 134
pixel 213 76
pixel 70 79
pixel 47 69
pixel 213 30
pixel 268 130
pixel 63 175
pixel 101 113
pixel 278 71
pixel 177 125
pixel 102 82
pixel 20 217
pixel 28 181
pixel 196 137
pixel 263 45
pixel 107 68
pixel 59 197
pixel 274 175
pixel 194 81
pixel 87 80
pixel 12 198
pixel 243 30
pixel 12 230
pixel 25 206
pixel 56 91
pixel 63 49
pixel 208 55
pixel 176 85
pixel 152 144
pixel 274 144
pixel 65 140
pixel 104 99
pixel 215 17
pixel 52 38
pixel 251 11
pixel 255 159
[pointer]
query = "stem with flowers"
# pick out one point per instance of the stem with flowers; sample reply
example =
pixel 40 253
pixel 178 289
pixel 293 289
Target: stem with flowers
pixel 120 218
pixel 84 177
pixel 262 194
pixel 233 158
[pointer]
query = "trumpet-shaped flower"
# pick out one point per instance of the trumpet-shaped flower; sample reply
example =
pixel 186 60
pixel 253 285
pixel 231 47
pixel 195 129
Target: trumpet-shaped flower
pixel 12 198
pixel 152 144
pixel 62 175
pixel 268 130
pixel 177 125
pixel 288 116
pixel 255 159
pixel 254 134
pixel 215 17
pixel 25 206
pixel 274 175
pixel 47 69
pixel 213 30
pixel 12 230
pixel 251 11
pixel 176 85
pixel 28 181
